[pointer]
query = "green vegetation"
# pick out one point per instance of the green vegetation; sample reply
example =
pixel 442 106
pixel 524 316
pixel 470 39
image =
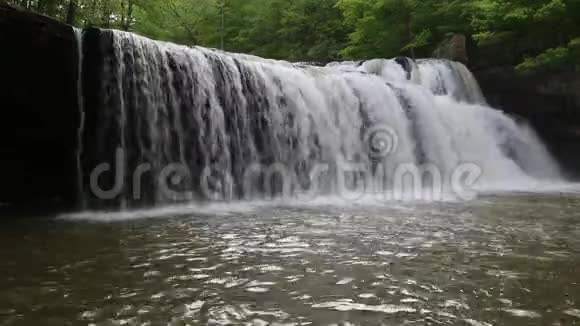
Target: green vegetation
pixel 529 35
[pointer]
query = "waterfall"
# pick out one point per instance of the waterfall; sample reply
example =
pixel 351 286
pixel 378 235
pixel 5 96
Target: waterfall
pixel 444 77
pixel 215 118
pixel 80 104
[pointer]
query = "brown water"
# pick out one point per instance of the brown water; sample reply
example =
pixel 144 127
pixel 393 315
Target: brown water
pixel 511 260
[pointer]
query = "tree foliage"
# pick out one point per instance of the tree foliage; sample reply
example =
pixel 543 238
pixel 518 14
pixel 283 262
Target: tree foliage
pixel 530 34
pixel 527 34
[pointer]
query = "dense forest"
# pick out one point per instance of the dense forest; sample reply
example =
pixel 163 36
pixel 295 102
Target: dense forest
pixel 527 34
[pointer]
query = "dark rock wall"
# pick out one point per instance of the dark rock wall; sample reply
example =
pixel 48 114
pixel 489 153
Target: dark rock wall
pixel 97 45
pixel 39 117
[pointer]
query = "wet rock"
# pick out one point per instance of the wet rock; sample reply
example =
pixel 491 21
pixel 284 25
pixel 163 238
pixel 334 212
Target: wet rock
pixel 406 64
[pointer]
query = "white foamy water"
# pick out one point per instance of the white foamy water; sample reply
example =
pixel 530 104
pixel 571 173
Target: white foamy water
pixel 219 117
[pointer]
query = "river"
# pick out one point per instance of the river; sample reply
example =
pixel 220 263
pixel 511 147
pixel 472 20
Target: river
pixel 498 260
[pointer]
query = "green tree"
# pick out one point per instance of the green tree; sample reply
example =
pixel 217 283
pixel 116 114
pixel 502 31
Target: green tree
pixel 386 28
pixel 529 34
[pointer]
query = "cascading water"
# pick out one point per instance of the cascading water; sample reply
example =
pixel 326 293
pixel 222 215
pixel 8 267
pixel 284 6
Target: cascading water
pixel 80 103
pixel 450 78
pixel 225 123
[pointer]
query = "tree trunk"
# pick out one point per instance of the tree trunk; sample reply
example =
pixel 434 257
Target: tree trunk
pixel 50 7
pixel 40 6
pixel 410 32
pixel 106 15
pixel 129 16
pixel 71 12
pixel 123 18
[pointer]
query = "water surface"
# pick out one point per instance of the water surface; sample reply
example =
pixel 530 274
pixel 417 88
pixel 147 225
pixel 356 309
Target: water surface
pixel 510 260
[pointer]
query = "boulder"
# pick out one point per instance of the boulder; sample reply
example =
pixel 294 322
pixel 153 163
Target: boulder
pixel 453 48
